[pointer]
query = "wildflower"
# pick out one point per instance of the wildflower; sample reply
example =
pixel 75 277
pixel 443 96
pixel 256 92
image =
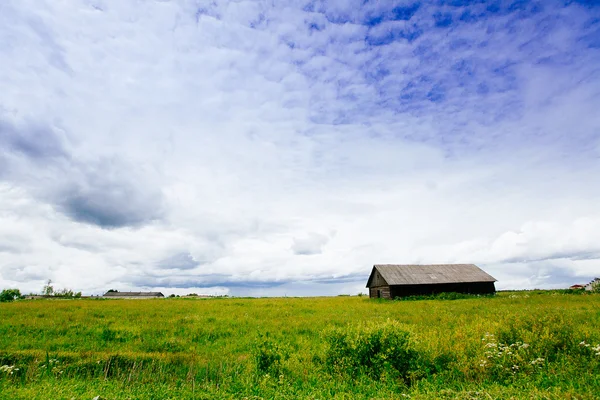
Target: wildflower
pixel 8 369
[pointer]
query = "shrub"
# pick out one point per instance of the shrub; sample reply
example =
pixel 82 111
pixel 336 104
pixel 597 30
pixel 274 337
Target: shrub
pixel 67 294
pixel 10 295
pixel 268 355
pixel 550 336
pixel 374 350
pixel 505 360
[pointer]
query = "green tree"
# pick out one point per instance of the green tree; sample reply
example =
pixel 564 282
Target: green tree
pixel 10 295
pixel 48 289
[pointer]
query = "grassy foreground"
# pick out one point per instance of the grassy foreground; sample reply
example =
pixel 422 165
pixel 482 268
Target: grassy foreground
pixel 540 345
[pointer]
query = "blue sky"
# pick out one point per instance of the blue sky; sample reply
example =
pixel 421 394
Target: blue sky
pixel 252 148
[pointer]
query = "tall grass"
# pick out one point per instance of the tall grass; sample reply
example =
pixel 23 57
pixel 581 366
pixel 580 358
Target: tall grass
pixel 514 345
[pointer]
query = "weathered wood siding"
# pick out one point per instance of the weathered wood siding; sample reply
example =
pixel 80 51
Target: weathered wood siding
pixel 379 287
pixel 378 280
pixel 382 292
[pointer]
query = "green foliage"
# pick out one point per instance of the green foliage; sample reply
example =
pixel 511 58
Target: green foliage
pixel 48 289
pixel 268 355
pixel 340 347
pixel 67 294
pixel 550 336
pixel 10 294
pixel 373 349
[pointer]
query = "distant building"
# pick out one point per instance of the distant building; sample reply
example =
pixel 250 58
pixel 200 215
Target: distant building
pixel 390 281
pixel 577 287
pixel 132 295
pixel 595 284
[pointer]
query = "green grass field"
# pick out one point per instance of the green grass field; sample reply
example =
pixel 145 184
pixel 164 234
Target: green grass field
pixel 515 345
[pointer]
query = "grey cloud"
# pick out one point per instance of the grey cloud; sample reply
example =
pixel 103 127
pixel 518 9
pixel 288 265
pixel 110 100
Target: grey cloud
pixel 201 281
pixel 79 245
pixel 112 204
pixel 179 261
pixel 22 273
pixel 34 141
pixel 570 255
pixel 545 273
pixel 312 244
pixel 105 195
pixel 343 279
pixel 10 248
pixel 107 192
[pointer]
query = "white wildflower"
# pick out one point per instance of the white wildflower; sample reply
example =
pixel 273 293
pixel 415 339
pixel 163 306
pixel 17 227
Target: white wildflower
pixel 9 369
pixel 538 360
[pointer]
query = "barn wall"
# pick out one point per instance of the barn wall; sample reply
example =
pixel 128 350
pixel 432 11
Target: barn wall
pixel 385 292
pixel 468 287
pixel 378 280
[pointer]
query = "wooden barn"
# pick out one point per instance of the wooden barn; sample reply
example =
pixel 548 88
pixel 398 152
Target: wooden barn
pixel 132 295
pixel 390 281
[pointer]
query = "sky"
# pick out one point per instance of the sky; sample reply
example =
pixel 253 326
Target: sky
pixel 261 148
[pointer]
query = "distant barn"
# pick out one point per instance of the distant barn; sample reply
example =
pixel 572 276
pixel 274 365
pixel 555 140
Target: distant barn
pixel 132 295
pixel 390 281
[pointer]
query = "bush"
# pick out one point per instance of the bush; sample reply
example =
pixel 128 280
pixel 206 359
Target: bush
pixel 373 350
pixel 525 346
pixel 10 295
pixel 268 355
pixel 550 336
pixel 67 294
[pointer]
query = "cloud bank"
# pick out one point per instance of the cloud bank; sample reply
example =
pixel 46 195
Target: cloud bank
pixel 256 149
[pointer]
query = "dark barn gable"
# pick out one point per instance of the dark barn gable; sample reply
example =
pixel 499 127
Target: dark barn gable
pixel 390 281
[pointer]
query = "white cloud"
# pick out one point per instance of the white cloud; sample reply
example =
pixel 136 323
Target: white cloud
pixel 180 146
pixel 310 244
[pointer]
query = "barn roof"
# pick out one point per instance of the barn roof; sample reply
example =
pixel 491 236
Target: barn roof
pixel 133 294
pixel 408 274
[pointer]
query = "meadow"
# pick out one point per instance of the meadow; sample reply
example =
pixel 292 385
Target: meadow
pixel 533 345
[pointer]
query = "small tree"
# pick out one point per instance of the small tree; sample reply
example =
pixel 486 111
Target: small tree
pixel 48 289
pixel 595 285
pixel 10 295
